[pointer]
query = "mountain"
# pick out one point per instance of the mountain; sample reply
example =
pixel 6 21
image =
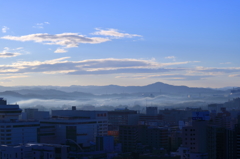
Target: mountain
pixel 73 91
pixel 158 87
pixel 159 93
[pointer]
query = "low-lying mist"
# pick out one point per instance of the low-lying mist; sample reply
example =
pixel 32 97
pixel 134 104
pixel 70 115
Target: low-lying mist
pixel 130 101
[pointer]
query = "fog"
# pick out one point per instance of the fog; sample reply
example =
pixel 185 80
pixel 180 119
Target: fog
pixel 130 101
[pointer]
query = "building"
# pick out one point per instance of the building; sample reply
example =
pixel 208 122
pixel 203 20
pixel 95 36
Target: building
pixel 122 117
pixel 74 127
pixel 154 137
pixel 152 111
pixel 131 136
pixel 34 114
pixel 200 139
pixel 105 143
pixel 128 137
pixel 30 112
pixel 12 130
pixel 34 151
pixel 151 120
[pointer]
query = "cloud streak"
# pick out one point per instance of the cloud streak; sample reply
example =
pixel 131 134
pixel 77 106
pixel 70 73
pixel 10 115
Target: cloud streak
pixel 6 53
pixel 121 68
pixel 114 33
pixel 40 25
pixel 69 40
pixel 171 58
pixel 89 67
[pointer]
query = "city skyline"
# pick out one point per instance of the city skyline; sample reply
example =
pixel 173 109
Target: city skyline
pixel 122 43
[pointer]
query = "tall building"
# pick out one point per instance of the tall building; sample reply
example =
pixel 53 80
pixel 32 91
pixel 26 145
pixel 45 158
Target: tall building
pixel 105 143
pixel 74 126
pixel 122 117
pixel 130 136
pixel 195 139
pixel 12 130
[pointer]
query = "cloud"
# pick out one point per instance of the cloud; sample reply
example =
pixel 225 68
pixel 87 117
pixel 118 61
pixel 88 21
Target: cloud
pixel 9 54
pixel 171 57
pixel 226 63
pixel 88 67
pixel 181 77
pixel 5 29
pixel 221 70
pixel 67 40
pixel 5 53
pixel 114 33
pixel 234 75
pixel 10 78
pixel 60 50
pixel 121 68
pixel 40 25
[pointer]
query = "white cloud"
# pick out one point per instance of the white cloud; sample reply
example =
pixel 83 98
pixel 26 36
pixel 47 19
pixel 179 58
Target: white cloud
pixel 91 66
pixel 5 29
pixel 8 53
pixel 114 33
pixel 40 25
pixel 60 50
pixel 226 63
pixel 19 48
pixel 122 68
pixel 185 77
pixel 67 40
pixel 171 57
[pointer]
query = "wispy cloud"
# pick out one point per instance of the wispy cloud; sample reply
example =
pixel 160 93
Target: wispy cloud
pixel 67 40
pixel 180 77
pixel 226 63
pixel 234 75
pixel 40 25
pixel 10 78
pixel 221 70
pixel 91 66
pixel 5 29
pixel 60 50
pixel 8 53
pixel 114 33
pixel 171 57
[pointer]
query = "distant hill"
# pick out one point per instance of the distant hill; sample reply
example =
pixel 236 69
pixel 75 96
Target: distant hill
pixel 76 90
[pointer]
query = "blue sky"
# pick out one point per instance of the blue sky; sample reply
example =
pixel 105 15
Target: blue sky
pixel 193 43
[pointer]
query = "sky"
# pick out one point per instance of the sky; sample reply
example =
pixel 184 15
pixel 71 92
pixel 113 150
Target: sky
pixel 79 42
